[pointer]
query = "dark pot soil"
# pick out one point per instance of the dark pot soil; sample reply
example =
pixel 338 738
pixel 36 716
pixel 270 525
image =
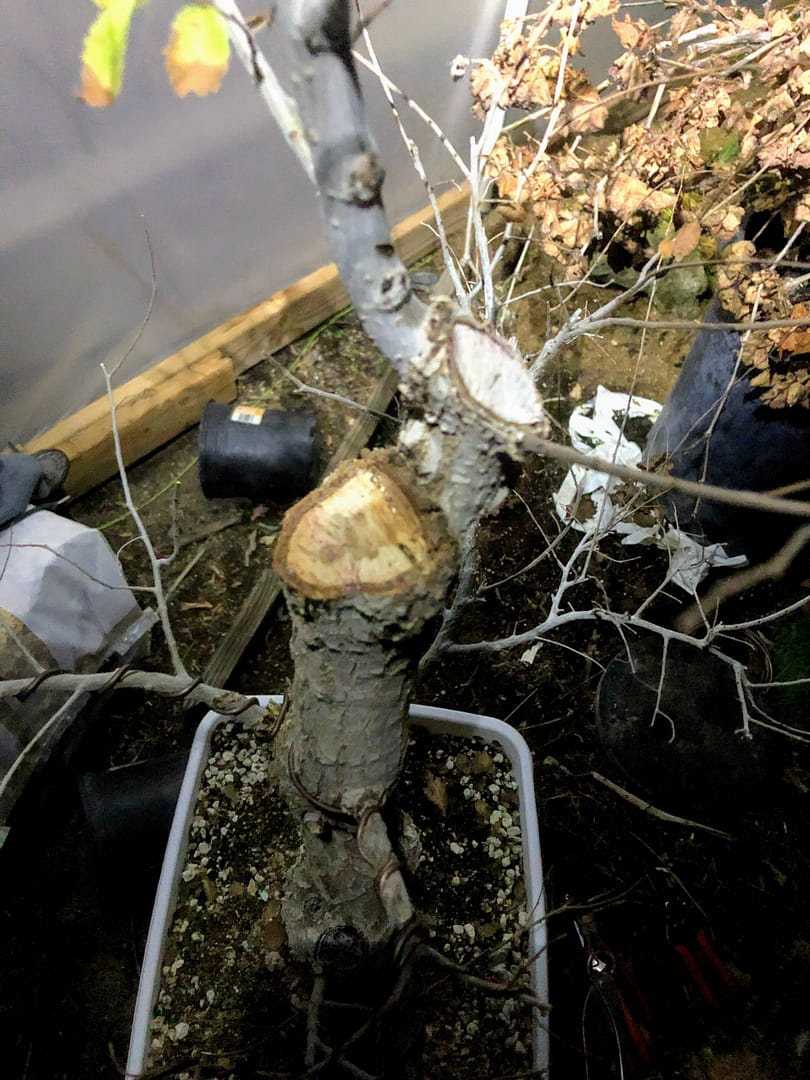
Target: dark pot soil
pixel 232 1003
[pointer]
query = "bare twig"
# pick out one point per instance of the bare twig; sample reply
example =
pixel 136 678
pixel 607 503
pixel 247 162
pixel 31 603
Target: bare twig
pixel 154 562
pixel 315 391
pixel 661 815
pixel 464 596
pixel 182 687
pixel 52 722
pixel 181 577
pixel 753 500
pixel 770 570
pixel 11 545
pixel 416 160
pixel 415 107
pixel 282 108
pixel 149 307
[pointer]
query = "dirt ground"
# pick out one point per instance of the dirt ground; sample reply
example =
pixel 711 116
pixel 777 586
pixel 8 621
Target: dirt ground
pixel 647 891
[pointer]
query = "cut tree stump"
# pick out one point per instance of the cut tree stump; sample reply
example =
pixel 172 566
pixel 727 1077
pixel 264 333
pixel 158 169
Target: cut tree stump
pixel 266 591
pixel 366 565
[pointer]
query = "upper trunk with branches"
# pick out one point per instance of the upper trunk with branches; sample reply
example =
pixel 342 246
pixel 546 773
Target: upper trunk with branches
pixel 369 559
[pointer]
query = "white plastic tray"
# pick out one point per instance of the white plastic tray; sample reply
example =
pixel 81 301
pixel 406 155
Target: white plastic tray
pixel 436 721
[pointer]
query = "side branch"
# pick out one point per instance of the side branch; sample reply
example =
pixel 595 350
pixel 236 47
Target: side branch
pixel 755 500
pixel 349 176
pixel 192 691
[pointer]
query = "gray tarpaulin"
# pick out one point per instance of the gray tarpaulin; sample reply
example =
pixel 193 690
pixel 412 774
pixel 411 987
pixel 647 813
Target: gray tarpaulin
pixel 230 214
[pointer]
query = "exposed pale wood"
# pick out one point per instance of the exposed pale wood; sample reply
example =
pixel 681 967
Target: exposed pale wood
pixel 150 409
pixel 265 592
pixel 357 532
pixel 158 405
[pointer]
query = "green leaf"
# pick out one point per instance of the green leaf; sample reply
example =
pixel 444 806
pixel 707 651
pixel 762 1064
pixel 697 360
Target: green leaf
pixel 198 51
pixel 719 147
pixel 104 51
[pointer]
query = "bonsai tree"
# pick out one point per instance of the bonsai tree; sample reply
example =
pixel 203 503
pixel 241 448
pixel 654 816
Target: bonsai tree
pixel 370 560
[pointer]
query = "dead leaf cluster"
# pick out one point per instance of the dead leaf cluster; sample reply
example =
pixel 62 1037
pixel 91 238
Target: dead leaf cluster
pixel 709 119
pixel 751 291
pixel 528 69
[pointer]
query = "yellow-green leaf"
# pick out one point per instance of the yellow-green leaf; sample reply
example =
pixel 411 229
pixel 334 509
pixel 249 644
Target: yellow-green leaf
pixel 104 51
pixel 198 51
pixel 718 146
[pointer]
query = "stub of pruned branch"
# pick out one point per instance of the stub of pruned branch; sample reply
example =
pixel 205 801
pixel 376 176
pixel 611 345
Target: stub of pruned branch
pixel 365 565
pixel 474 405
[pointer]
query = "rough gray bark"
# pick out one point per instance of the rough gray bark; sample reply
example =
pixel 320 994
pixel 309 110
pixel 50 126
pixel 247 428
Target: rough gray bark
pixel 368 560
pixel 349 176
pixel 364 572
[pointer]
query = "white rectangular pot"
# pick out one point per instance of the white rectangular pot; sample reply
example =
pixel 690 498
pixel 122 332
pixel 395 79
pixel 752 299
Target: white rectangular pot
pixel 435 721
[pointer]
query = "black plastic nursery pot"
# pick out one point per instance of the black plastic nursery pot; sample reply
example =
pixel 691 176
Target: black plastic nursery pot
pixel 130 809
pixel 267 455
pixel 668 715
pixel 714 428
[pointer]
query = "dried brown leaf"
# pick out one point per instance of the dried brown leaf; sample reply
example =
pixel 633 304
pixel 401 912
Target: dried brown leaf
pixel 761 379
pixel 797 342
pixel 682 22
pixel 586 112
pixel 485 86
pixel 436 791
pixel 92 91
pixel 274 936
pixel 481 762
pixel 625 195
pixel 801 211
pixel 684 241
pixel 628 31
pixel 586 12
pixel 513 212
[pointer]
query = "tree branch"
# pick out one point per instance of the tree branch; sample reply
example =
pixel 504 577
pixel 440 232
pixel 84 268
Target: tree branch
pixel 281 105
pixel 349 177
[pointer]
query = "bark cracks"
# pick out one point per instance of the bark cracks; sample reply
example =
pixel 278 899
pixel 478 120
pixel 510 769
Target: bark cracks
pixel 369 559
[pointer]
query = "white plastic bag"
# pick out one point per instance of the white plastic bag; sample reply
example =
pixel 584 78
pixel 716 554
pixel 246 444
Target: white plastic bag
pixel 64 603
pixel 595 429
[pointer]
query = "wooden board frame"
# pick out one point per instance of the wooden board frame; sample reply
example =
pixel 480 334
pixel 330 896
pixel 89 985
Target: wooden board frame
pixel 161 403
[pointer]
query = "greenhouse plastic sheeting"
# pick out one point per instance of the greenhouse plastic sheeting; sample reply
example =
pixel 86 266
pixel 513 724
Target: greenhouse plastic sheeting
pixel 230 214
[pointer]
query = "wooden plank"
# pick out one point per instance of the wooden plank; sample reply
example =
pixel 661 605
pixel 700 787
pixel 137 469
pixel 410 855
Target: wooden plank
pixel 150 409
pixel 158 405
pixel 266 591
pixel 250 617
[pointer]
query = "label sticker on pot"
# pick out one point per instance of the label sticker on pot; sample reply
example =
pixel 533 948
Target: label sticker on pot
pixel 247 414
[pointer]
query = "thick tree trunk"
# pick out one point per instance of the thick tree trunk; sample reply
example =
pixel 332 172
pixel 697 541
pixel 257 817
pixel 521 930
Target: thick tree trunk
pixel 368 560
pixel 366 567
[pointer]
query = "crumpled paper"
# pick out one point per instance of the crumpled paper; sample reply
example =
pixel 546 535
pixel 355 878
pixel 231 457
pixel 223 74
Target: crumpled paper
pixel 595 428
